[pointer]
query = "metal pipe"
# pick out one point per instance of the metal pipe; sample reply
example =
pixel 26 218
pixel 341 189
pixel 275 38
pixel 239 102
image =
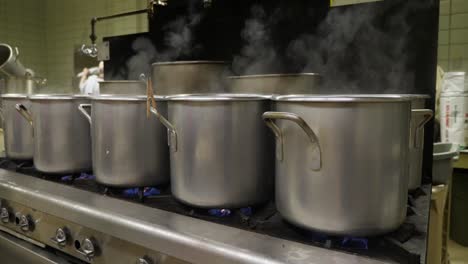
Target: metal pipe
pixel 91 50
pixel 94 20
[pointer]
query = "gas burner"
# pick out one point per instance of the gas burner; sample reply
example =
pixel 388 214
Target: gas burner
pixel 135 192
pixel 243 212
pixel 80 177
pixel 219 212
pixel 355 243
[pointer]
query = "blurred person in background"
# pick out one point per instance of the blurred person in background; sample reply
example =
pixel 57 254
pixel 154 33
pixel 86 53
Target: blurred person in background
pixel 90 78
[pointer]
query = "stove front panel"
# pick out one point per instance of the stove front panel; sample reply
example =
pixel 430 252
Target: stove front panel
pixel 14 250
pixel 124 232
pixel 78 241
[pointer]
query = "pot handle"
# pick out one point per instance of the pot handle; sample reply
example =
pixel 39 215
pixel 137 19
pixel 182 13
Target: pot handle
pixel 24 112
pixel 82 109
pixel 427 115
pixel 17 53
pixel 171 131
pixel 269 118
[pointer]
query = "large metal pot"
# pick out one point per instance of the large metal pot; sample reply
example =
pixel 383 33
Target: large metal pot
pixel 21 85
pixel 220 156
pixel 342 162
pixel 188 77
pixel 420 117
pixel 62 142
pixel 122 87
pixel 18 135
pixel 129 149
pixel 281 84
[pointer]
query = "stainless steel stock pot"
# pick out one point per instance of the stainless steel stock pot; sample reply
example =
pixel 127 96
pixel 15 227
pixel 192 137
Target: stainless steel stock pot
pixel 18 134
pixel 342 162
pixel 62 142
pixel 220 153
pixel 188 77
pixel 129 148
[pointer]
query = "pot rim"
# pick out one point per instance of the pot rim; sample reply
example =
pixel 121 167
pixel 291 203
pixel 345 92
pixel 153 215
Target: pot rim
pixel 217 97
pixel 123 81
pixel 173 63
pixel 343 98
pixel 278 75
pixel 49 97
pixel 14 96
pixel 123 97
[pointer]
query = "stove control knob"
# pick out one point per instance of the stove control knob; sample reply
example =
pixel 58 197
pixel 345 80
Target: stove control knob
pixel 145 260
pixel 25 223
pixel 61 237
pixel 4 215
pixel 88 248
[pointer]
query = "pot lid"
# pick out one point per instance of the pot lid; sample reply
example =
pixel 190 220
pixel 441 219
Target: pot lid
pixel 280 75
pixel 346 98
pixel 14 96
pixel 217 97
pixel 123 97
pixel 169 63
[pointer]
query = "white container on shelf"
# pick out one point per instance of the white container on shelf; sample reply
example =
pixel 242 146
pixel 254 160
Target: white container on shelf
pixel 455 82
pixel 454 118
pixel 442 165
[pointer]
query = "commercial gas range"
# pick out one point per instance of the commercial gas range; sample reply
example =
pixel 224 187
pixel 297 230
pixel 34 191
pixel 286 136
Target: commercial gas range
pixel 71 219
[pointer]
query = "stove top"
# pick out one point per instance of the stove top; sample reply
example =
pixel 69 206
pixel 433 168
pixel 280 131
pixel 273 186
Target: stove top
pixel 406 245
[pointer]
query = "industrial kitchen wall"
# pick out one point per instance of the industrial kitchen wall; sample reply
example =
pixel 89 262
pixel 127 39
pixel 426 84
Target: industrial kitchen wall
pixel 453 35
pixel 22 24
pixel 47 31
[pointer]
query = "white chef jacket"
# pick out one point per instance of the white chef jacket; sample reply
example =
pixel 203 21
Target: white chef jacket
pixel 91 85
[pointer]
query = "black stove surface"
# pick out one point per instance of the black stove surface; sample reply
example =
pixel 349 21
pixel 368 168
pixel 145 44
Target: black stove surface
pixel 406 245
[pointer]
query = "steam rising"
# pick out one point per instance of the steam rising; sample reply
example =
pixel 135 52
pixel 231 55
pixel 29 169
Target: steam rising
pixel 179 43
pixel 258 55
pixel 355 49
pixel 352 52
pixel 179 38
pixel 141 61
